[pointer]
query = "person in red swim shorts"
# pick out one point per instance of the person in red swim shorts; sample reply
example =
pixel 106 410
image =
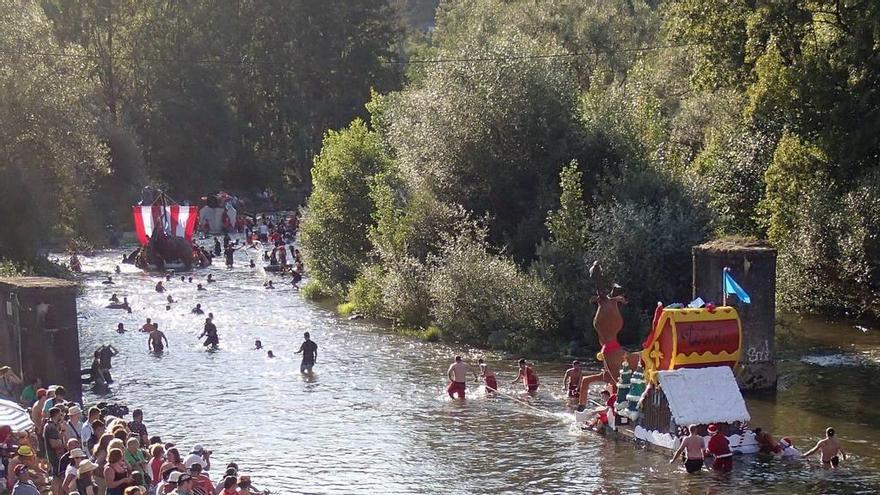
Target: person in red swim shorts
pixel 457 377
pixel 488 377
pixel 527 375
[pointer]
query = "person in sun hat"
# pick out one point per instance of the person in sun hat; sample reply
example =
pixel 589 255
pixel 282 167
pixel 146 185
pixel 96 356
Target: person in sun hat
pixel 69 463
pixel 184 485
pixel 85 484
pixel 719 447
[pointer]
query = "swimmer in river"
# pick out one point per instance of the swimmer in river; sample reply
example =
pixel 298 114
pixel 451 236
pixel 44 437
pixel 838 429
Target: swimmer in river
pixel 190 280
pixel 210 331
pixel 217 249
pixel 488 377
pixel 114 298
pixel 169 299
pixel 148 326
pixel 269 285
pixel 120 328
pixel 693 446
pixel 183 278
pixel 527 375
pixel 109 281
pixel 309 350
pixel 199 287
pixel 229 255
pixel 159 287
pixel 156 339
pixel 571 381
pixel 197 310
pixel 167 307
pixel 210 279
pixel 829 449
pixel 258 345
pixel 118 270
pixel 168 277
pixel 269 354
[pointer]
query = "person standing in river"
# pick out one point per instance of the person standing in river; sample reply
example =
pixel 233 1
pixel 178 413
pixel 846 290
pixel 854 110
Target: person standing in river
pixel 457 374
pixel 156 339
pixel 527 375
pixel 309 350
pixel 210 331
pixel 571 381
pixel 829 449
pixel 693 447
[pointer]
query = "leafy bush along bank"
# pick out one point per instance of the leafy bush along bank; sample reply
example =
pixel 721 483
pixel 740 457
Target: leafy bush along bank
pixel 477 196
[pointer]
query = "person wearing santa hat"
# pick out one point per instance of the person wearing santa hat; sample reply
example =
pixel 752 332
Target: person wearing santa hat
pixel 719 447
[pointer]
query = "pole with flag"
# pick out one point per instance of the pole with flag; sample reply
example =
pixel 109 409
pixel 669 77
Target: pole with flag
pixel 731 287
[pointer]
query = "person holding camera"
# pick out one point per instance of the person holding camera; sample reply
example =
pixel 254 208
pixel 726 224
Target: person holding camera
pixel 198 456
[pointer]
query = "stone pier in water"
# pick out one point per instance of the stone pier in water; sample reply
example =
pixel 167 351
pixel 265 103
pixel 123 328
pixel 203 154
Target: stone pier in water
pixel 753 265
pixel 38 331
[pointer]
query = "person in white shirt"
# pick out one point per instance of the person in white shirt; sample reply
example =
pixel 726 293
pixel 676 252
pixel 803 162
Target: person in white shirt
pixel 198 456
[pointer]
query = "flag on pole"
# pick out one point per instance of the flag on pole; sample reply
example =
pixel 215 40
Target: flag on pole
pixel 731 287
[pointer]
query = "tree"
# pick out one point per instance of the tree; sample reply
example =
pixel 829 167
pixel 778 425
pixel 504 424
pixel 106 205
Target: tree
pixel 339 215
pixel 49 155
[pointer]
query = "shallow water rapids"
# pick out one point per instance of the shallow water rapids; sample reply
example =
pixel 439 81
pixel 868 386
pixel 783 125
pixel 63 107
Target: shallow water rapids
pixel 375 418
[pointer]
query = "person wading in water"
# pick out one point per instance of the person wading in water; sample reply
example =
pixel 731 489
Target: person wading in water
pixel 829 449
pixel 693 447
pixel 571 381
pixel 527 375
pixel 155 340
pixel 210 332
pixel 457 374
pixel 309 350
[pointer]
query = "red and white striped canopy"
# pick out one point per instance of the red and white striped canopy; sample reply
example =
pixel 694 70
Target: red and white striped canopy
pixel 178 221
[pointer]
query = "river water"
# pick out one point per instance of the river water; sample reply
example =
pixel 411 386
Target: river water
pixel 374 418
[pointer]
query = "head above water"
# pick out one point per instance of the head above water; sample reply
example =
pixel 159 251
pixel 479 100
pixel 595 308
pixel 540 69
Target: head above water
pixel 258 344
pixel 269 354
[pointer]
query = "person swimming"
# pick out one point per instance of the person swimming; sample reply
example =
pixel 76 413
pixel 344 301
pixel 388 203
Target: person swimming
pixel 253 265
pixel 183 278
pixel 269 285
pixel 118 270
pixel 170 299
pixel 190 280
pixel 109 281
pixel 200 287
pixel 114 298
pixel 168 277
pixel 120 328
pixel 210 279
pixel 258 345
pixel 269 354
pixel 197 310
pixel 159 287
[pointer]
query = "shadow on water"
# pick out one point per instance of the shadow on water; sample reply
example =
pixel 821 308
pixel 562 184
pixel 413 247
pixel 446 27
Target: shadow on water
pixel 374 417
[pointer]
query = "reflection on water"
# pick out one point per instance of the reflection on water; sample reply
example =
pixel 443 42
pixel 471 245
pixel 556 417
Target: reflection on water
pixel 375 418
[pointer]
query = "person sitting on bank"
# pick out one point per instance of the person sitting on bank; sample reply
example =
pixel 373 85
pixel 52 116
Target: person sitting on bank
pixel 829 449
pixel 693 447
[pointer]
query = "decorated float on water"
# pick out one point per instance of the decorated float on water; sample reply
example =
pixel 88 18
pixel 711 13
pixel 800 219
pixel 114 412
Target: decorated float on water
pixel 683 376
pixel 165 230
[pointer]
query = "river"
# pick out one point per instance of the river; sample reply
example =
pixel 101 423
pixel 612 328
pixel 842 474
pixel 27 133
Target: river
pixel 375 418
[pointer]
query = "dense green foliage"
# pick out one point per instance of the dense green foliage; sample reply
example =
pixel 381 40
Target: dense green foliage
pixel 471 187
pixel 103 97
pixel 679 121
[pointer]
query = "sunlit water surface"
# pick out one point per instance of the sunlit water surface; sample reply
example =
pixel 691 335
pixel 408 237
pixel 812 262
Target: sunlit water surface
pixel 375 418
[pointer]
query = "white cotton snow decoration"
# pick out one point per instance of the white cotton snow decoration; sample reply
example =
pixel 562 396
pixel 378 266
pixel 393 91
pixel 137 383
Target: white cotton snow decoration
pixel 703 395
